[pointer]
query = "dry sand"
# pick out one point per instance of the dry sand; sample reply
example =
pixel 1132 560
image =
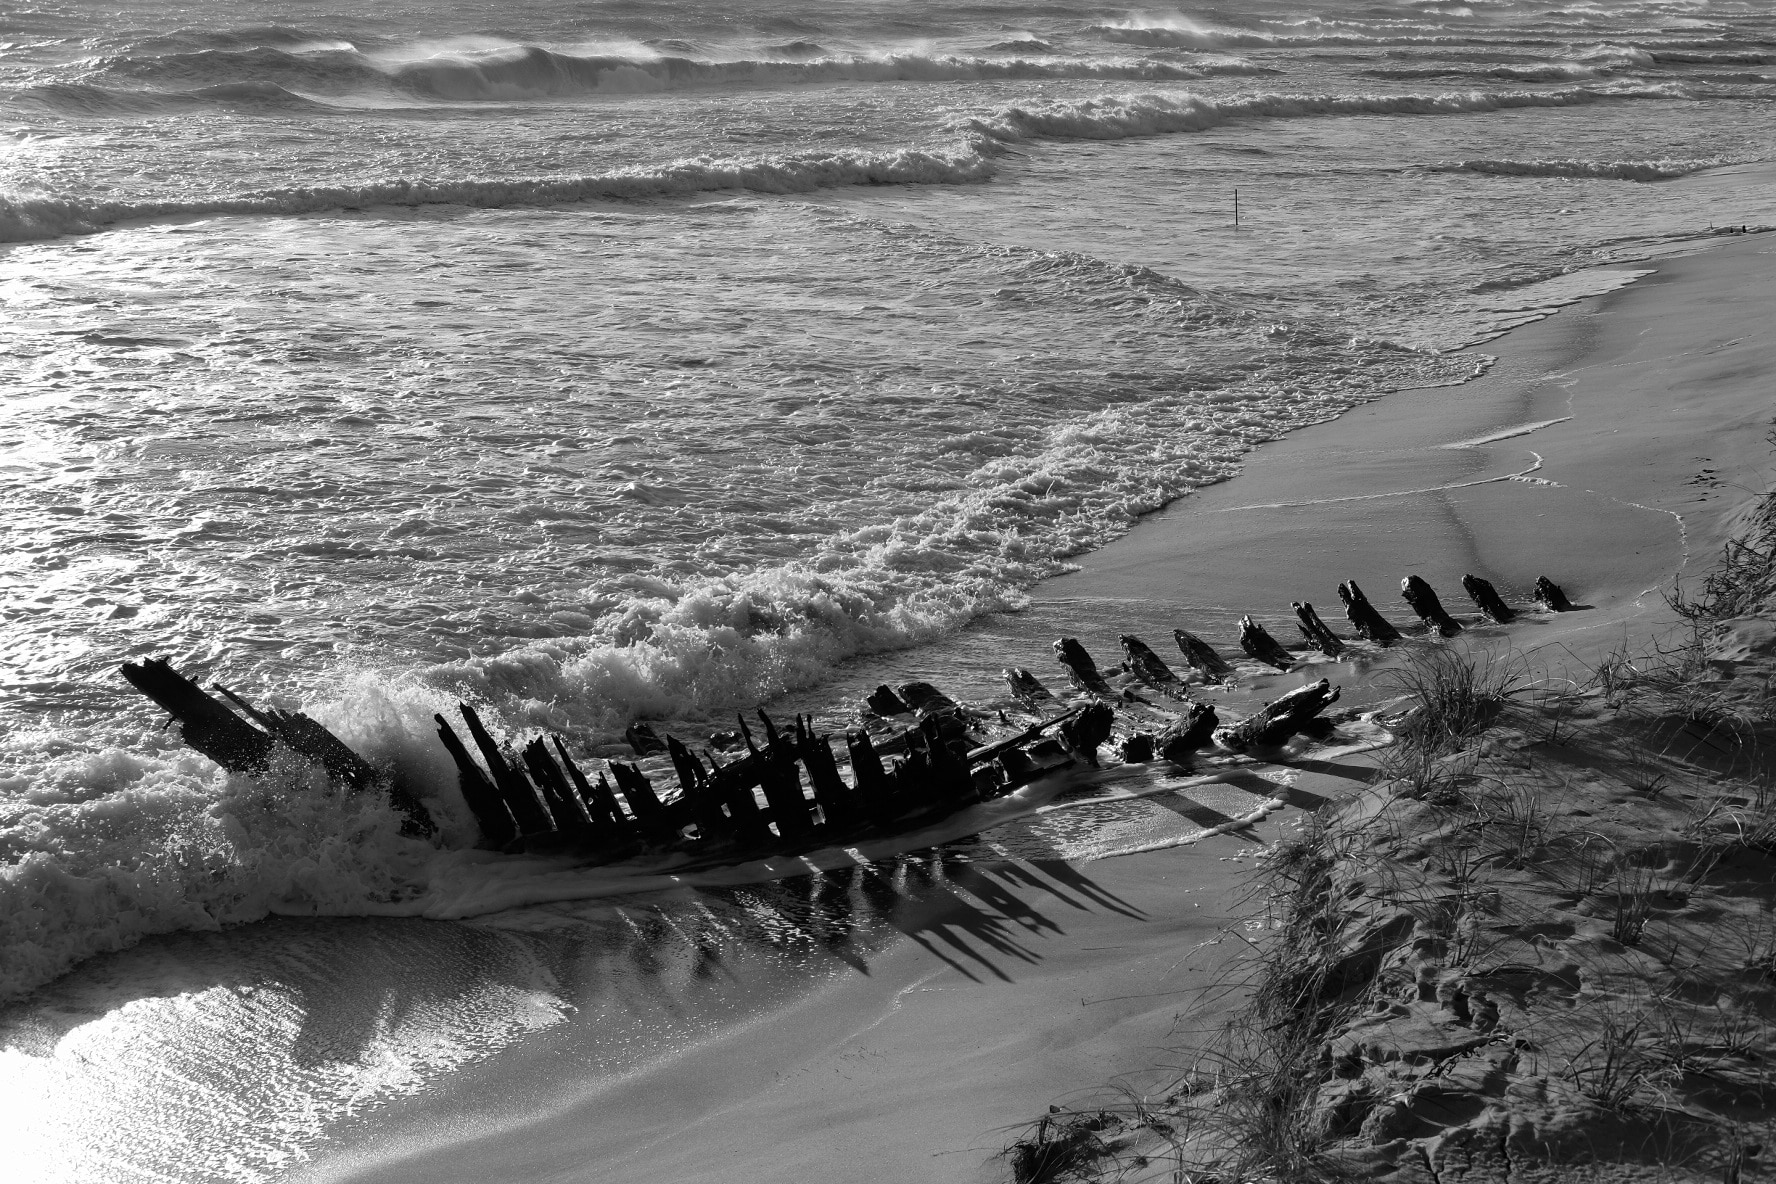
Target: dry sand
pixel 1609 449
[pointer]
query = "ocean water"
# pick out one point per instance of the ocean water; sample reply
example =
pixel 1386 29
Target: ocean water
pixel 658 360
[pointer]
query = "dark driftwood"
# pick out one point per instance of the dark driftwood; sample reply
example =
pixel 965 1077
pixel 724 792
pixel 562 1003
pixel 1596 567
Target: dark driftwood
pixel 781 781
pixel 731 784
pixel 1262 646
pixel 600 802
pixel 644 740
pixel 1280 718
pixel 1315 632
pixel 1087 730
pixel 1424 602
pixel 925 699
pixel 484 801
pixel 1192 732
pixel 570 816
pixel 206 724
pixel 1487 599
pixel 1027 689
pixel 1136 749
pixel 693 788
pixel 883 701
pixel 514 787
pixel 1548 594
pixel 1145 665
pixel 830 791
pixel 1369 624
pixel 1082 672
pixel 651 816
pixel 1201 655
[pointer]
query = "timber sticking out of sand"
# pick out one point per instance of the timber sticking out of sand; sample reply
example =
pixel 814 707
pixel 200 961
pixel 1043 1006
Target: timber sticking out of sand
pixel 1542 949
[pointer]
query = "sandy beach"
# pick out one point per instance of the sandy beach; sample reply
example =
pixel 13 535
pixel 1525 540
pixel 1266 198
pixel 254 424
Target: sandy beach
pixel 1610 448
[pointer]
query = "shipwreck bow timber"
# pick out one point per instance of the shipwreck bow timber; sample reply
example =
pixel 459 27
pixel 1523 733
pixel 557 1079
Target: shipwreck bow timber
pixel 916 756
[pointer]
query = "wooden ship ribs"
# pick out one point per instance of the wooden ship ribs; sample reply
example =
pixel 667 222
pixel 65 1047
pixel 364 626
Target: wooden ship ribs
pixel 922 761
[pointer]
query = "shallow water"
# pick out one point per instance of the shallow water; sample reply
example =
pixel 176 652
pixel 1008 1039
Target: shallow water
pixel 662 362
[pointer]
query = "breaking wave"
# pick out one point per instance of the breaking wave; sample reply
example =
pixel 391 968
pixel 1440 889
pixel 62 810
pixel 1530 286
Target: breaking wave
pixel 1608 170
pixel 527 72
pixel 969 159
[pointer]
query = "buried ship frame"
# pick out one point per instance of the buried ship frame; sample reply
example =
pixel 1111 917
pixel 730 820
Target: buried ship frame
pixel 916 756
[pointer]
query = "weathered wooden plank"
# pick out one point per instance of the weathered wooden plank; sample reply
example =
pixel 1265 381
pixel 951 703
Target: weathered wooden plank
pixel 1082 672
pixel 732 785
pixel 514 787
pixel 1140 661
pixel 693 786
pixel 564 804
pixel 1194 731
pixel 837 809
pixel 1201 655
pixel 1423 599
pixel 600 802
pixel 206 724
pixel 1260 645
pixel 651 816
pixel 1315 631
pixel 883 701
pixel 871 785
pixel 781 781
pixel 1027 689
pixel 1281 718
pixel 1369 624
pixel 484 801
pixel 1089 729
pixel 1549 595
pixel 1487 599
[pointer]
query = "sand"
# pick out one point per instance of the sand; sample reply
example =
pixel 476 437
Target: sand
pixel 1609 448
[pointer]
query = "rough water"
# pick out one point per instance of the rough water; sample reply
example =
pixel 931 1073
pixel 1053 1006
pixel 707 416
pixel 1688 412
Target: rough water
pixel 652 361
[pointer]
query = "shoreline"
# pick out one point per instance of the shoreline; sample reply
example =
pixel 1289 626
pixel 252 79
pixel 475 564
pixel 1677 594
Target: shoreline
pixel 1161 553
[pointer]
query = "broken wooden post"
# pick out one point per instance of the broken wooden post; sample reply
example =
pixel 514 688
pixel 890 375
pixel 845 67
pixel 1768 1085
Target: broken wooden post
pixel 1192 732
pixel 1262 646
pixel 1201 655
pixel 1315 631
pixel 870 783
pixel 1369 624
pixel 731 784
pixel 1144 664
pixel 1082 672
pixel 1090 728
pixel 479 794
pixel 781 781
pixel 884 702
pixel 1424 602
pixel 651 817
pixel 564 804
pixel 643 739
pixel 830 791
pixel 950 775
pixel 1549 595
pixel 308 738
pixel 693 788
pixel 1136 749
pixel 1027 689
pixel 520 796
pixel 1487 599
pixel 1281 718
pixel 205 724
pixel 601 804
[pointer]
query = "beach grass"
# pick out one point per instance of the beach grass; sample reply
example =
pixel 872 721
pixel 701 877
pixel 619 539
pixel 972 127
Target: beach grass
pixel 1542 946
